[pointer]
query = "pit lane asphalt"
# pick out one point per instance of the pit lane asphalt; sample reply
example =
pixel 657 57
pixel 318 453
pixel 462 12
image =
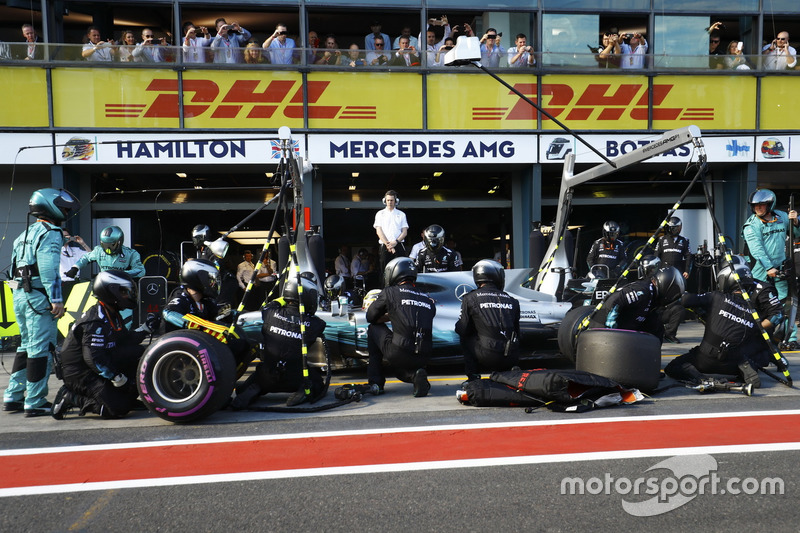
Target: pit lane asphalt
pixel 517 497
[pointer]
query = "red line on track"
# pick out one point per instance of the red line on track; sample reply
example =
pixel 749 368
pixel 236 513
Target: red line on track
pixel 195 459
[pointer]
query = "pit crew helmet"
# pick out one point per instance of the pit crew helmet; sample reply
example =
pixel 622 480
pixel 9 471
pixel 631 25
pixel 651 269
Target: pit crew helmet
pixel 762 196
pixel 433 237
pixel 489 271
pixel 200 234
pixel 115 288
pixel 111 239
pixel 726 282
pixel 53 205
pixel 611 230
pixel 674 226
pixel 202 276
pixel 399 269
pixel 310 295
pixel 648 265
pixel 669 285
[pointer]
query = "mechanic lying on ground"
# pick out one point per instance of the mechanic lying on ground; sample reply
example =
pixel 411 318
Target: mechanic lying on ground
pixel 732 343
pixel 99 357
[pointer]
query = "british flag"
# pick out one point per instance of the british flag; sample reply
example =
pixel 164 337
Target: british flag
pixel 276 148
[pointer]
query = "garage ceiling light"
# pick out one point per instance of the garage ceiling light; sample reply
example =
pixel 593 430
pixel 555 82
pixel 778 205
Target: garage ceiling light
pixel 252 237
pixel 181 174
pixel 437 174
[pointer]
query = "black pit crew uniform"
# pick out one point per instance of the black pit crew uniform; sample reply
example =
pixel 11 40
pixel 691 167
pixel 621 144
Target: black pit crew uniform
pixel 409 344
pixel 97 349
pixel 731 339
pixel 674 251
pixel 633 307
pixel 281 366
pixel 445 260
pixel 605 252
pixel 489 330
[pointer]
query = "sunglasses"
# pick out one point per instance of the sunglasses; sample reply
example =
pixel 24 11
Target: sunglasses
pixel 714 40
pixel 378 44
pixel 780 39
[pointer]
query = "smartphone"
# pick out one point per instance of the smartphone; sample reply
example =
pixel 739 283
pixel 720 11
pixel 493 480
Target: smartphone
pixel 740 46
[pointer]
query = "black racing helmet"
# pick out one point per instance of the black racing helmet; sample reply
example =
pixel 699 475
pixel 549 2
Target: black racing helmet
pixel 399 269
pixel 489 271
pixel 648 265
pixel 762 196
pixel 669 285
pixel 310 294
pixel 111 239
pixel 200 234
pixel 611 230
pixel 674 226
pixel 726 282
pixel 433 236
pixel 202 276
pixel 333 286
pixel 115 288
pixel 53 205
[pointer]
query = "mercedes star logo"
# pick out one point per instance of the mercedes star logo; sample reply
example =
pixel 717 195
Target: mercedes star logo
pixel 462 290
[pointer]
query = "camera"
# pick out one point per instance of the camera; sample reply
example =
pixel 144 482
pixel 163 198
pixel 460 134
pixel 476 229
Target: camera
pixel 284 33
pixel 499 34
pixel 382 60
pixel 448 48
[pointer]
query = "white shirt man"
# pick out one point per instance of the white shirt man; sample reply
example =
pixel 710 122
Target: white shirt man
pixel 633 53
pixel 193 45
pixel 431 46
pixel 780 55
pixel 245 270
pixel 342 262
pixel 281 47
pixel 391 226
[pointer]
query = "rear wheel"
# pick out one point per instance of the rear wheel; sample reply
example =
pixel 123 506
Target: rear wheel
pixel 631 358
pixel 186 376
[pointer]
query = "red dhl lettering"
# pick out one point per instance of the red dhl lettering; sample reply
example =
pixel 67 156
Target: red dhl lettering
pixel 598 101
pixel 243 100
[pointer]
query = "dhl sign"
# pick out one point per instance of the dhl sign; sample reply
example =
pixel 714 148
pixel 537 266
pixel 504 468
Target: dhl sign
pixel 594 102
pixel 358 100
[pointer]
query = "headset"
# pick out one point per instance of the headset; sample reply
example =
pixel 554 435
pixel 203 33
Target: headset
pixel 391 193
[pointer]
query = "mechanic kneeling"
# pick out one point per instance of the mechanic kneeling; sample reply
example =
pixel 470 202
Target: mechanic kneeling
pixel 636 305
pixel 281 366
pixel 409 344
pixel 99 357
pixel 489 322
pixel 732 343
pixel 197 297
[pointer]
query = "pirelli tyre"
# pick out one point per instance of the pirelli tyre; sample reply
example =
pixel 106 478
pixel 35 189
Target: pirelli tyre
pixel 631 358
pixel 568 329
pixel 186 376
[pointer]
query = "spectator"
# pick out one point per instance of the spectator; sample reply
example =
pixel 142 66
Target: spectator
pixel 353 58
pixel 146 51
pixel 5 52
pixel 229 42
pixel 521 55
pixel 610 54
pixel 405 56
pixel 715 51
pixel 491 51
pixel 194 46
pixel 391 226
pixel 418 247
pixel 633 52
pixel 405 33
pixel 244 273
pixel 331 54
pixel 342 265
pixel 33 50
pixel 438 60
pixel 431 45
pixel 780 56
pixel 128 40
pixel 369 40
pixel 379 55
pixel 95 49
pixel 735 59
pixel 253 55
pixel 313 52
pixel 281 48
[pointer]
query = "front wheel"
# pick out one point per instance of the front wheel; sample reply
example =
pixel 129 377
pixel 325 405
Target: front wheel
pixel 186 376
pixel 568 330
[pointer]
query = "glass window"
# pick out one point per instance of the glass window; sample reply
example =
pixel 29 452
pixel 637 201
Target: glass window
pixel 706 6
pixel 565 39
pixel 596 5
pixel 682 42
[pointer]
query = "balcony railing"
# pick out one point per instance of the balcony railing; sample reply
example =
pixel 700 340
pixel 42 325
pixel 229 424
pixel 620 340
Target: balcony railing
pixel 254 56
